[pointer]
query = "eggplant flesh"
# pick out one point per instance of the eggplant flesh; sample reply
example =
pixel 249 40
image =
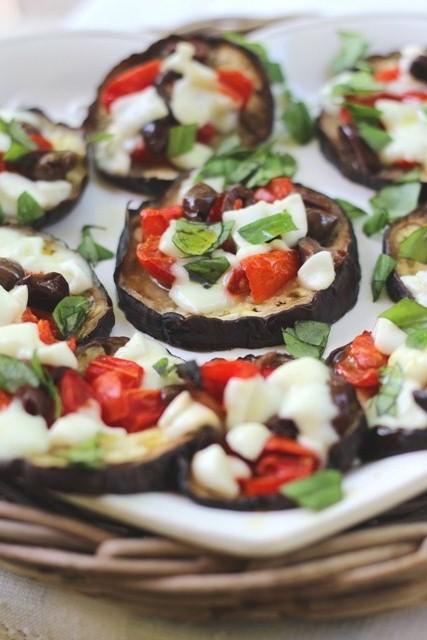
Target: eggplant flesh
pixel 149 308
pixel 255 120
pixel 394 235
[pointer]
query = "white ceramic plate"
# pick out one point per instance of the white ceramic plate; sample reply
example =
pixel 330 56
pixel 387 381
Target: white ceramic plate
pixel 59 72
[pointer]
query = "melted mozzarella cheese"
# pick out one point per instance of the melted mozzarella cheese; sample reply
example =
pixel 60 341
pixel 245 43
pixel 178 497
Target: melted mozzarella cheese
pixel 412 362
pixel 407 413
pixel 21 434
pixel 387 336
pixel 193 103
pixel 146 351
pixel 193 159
pixel 182 61
pixel 184 416
pixel 248 439
pixel 407 125
pixel 48 194
pixel 318 271
pixel 250 400
pixel 12 304
pixel 132 112
pixel 37 255
pixel 194 297
pixel 21 340
pixel 217 472
pixel 75 428
pixel 417 285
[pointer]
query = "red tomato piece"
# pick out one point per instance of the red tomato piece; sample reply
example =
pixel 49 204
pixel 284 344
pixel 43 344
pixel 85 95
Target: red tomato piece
pixel 42 143
pixel 29 316
pixel 75 392
pixel 108 390
pixel 345 116
pixel 129 372
pixel 156 263
pixel 269 272
pixel 280 444
pixel 72 343
pixel 236 85
pixel 5 399
pixel 130 81
pixel 406 164
pixel 238 283
pixel 206 133
pixel 215 213
pixel 361 362
pixel 280 187
pixel 387 74
pixel 145 406
pixel 155 221
pixel 216 373
pixel 46 332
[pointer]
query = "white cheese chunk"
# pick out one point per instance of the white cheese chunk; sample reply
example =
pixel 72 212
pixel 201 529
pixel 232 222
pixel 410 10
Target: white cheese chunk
pixel 132 112
pixel 21 434
pixel 5 142
pixel 407 413
pixel 407 125
pixel 75 428
pixel 184 416
pixel 48 194
pixel 417 285
pixel 182 61
pixel 194 297
pixel 146 351
pixel 21 340
pixel 212 469
pixel 387 336
pixel 412 362
pixel 192 102
pixel 297 372
pixel 248 439
pixel 113 157
pixel 317 272
pixel 250 400
pixel 12 304
pixel 193 159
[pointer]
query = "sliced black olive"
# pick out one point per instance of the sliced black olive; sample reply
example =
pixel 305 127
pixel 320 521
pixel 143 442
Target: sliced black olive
pixel 46 165
pixel 358 153
pixel 283 427
pixel 418 68
pixel 36 401
pixel 307 247
pixel 321 224
pixel 10 273
pixel 190 372
pixel 238 197
pixel 156 134
pixel 164 84
pixel 198 201
pixel 420 397
pixel 45 290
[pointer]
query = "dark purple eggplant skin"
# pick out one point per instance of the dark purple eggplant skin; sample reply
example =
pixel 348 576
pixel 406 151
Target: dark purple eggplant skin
pixel 255 126
pixel 383 442
pixel 395 287
pixel 199 333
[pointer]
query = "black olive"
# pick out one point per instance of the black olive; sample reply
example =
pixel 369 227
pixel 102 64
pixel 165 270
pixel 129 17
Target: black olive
pixel 198 201
pixel 321 224
pixel 156 134
pixel 46 165
pixel 45 290
pixel 283 427
pixel 238 195
pixel 307 247
pixel 10 273
pixel 164 84
pixel 420 397
pixel 36 401
pixel 190 373
pixel 170 392
pixel 357 153
pixel 418 68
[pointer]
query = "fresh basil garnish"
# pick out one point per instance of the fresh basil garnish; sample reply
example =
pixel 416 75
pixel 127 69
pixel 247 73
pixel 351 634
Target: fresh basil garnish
pixel 383 267
pixel 28 210
pixel 358 82
pixel 351 210
pixel 91 250
pixel 414 247
pixel 268 228
pixel 391 379
pixel 363 113
pixel 197 238
pixel 413 175
pixel 87 454
pixel 407 314
pixel 181 139
pixel 397 200
pixel 306 338
pixel 163 367
pixel 207 270
pixel 99 136
pixel 274 165
pixel 15 374
pixel 376 222
pixel 21 143
pixel 70 315
pixel 273 69
pixel 297 119
pixel 316 492
pixel 353 48
pixel 375 137
pixel 46 381
pixel 417 338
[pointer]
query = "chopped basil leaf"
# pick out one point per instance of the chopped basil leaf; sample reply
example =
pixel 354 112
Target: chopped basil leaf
pixel 230 143
pixel 362 113
pixel 297 119
pixel 391 384
pixel 70 314
pixel 21 143
pixel 414 247
pixel 268 228
pixel 376 222
pixel 163 367
pixel 358 82
pixel 407 314
pixel 87 454
pixel 15 152
pixel 46 381
pixel 383 267
pixel 397 200
pixel 375 137
pixel 181 139
pixel 351 210
pixel 273 69
pixel 28 209
pixel 316 492
pixel 197 238
pixel 307 338
pixel 99 136
pixel 275 165
pixel 15 374
pixel 417 338
pixel 91 250
pixel 414 175
pixel 2 215
pixel 353 48
pixel 207 270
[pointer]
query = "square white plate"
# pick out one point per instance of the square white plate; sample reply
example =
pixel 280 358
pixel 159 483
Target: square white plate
pixel 59 72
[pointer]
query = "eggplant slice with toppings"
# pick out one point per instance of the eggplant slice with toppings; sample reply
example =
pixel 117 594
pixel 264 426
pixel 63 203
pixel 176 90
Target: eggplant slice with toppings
pixel 47 162
pixel 150 309
pixel 155 174
pixel 402 282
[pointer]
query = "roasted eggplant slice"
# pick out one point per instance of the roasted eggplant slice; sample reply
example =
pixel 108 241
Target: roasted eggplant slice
pixel 369 118
pixel 55 278
pixel 176 82
pixel 404 238
pixel 242 322
pixel 43 171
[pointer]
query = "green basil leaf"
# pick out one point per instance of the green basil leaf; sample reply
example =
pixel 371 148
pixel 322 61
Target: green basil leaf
pixel 391 379
pixel 375 137
pixel 298 121
pixel 351 210
pixel 276 165
pixel 28 209
pixel 91 250
pixel 181 139
pixel 273 69
pixel 362 113
pixel 397 200
pixel 2 215
pixel 197 238
pixel 414 246
pixel 306 338
pixel 99 136
pixel 21 143
pixel 15 152
pixel 15 374
pixel 70 315
pixel 316 492
pixel 87 454
pixel 266 229
pixel 407 314
pixel 383 267
pixel 376 222
pixel 229 145
pixel 46 381
pixel 358 82
pixel 208 270
pixel 163 367
pixel 417 338
pixel 413 175
pixel 353 48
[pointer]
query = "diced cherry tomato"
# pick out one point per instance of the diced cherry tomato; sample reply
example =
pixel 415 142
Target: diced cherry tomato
pixel 129 372
pixel 280 444
pixel 414 95
pixel 269 272
pixel 345 116
pixel 286 470
pixel 155 221
pixel 238 283
pixel 206 133
pixel 236 85
pixel 387 74
pixel 46 332
pixel 42 143
pixel 405 164
pixel 216 373
pixel 361 362
pixel 130 81
pixel 155 262
pixel 5 399
pixel 29 316
pixel 108 390
pixel 72 343
pixel 145 406
pixel 215 213
pixel 280 187
pixel 75 392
